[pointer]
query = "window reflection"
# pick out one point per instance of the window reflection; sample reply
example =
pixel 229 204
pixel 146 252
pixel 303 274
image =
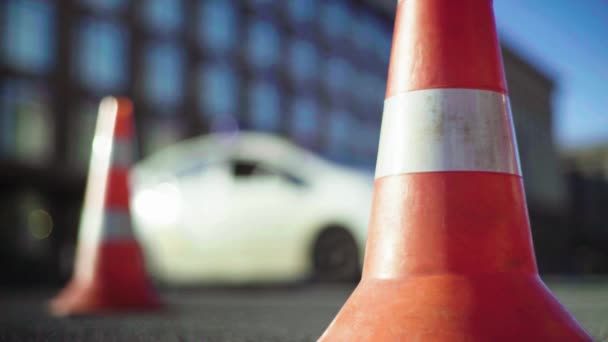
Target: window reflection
pixel 164 16
pixel 383 45
pixel 101 55
pixel 264 105
pixel 217 26
pixel 367 139
pixel 263 44
pixel 105 5
pixel 301 11
pixel 365 34
pixel 163 73
pixel 260 4
pixel 302 62
pixel 218 90
pixel 28 36
pixel 369 91
pixel 338 75
pixel 339 126
pixel 304 120
pixel 335 20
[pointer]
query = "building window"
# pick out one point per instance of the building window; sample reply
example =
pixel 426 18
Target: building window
pixel 335 20
pixel 260 4
pixel 302 62
pixel 26 126
pixel 367 143
pixel 368 91
pixel 263 45
pixel 365 34
pixel 28 35
pixel 218 92
pixel 163 73
pixel 383 45
pixel 339 135
pixel 304 120
pixel 217 26
pixel 338 76
pixel 105 5
pixel 264 104
pixel 163 16
pixel 301 12
pixel 101 55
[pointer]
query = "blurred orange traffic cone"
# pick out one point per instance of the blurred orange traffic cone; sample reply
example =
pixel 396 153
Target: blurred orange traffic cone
pixel 449 254
pixel 109 272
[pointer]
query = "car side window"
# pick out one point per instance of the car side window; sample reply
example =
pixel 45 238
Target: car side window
pixel 244 169
pixel 248 168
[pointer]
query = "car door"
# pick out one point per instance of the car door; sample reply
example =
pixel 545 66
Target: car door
pixel 266 204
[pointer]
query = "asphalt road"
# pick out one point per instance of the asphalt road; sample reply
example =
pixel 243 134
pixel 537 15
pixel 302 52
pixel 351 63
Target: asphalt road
pixel 254 314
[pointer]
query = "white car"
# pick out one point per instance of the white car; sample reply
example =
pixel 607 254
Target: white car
pixel 248 208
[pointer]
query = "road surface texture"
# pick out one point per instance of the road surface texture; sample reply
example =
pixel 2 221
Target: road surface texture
pixel 298 313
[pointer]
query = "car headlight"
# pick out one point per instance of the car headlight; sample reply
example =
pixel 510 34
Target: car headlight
pixel 158 206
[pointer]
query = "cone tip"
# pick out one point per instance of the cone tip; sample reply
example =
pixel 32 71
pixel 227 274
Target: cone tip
pixel 121 108
pixel 108 105
pixel 445 44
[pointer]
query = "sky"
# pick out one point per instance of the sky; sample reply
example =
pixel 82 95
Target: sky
pixel 568 41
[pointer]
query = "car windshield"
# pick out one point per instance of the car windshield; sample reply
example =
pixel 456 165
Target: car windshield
pixel 278 154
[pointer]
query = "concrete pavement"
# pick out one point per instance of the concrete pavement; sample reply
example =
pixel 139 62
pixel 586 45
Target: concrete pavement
pixel 298 313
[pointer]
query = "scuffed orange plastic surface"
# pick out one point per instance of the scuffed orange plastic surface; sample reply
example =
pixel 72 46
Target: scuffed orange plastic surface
pixel 449 258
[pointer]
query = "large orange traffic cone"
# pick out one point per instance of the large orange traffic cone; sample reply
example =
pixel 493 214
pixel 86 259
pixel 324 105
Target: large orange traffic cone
pixel 109 272
pixel 449 255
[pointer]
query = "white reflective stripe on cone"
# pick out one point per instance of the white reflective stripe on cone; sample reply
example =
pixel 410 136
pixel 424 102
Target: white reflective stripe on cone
pixel 447 130
pixel 122 152
pixel 116 225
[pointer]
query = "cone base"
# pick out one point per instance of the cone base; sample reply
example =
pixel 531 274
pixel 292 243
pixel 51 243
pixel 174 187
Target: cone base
pixel 498 307
pixel 118 283
pixel 80 299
